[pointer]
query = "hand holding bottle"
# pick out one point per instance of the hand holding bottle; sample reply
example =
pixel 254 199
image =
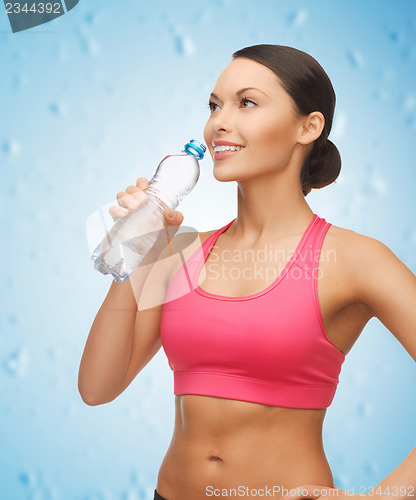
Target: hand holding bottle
pixel 134 197
pixel 142 221
pixel 131 200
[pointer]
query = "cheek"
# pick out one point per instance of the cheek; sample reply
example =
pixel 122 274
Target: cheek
pixel 271 142
pixel 273 133
pixel 273 137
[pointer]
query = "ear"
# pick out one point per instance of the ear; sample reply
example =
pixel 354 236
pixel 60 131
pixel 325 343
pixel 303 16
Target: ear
pixel 311 128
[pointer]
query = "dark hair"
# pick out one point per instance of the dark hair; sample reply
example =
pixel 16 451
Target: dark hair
pixel 309 86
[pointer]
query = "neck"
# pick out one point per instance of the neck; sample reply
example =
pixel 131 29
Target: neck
pixel 270 207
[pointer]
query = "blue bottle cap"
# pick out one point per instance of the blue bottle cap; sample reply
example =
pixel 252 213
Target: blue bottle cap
pixel 195 148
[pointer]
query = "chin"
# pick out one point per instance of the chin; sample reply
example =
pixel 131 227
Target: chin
pixel 224 176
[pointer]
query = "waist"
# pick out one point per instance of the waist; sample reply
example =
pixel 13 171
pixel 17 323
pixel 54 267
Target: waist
pixel 227 444
pixel 181 477
pixel 231 427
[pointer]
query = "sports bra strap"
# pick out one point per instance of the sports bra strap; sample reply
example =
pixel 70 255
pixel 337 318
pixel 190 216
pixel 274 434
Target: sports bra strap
pixel 309 256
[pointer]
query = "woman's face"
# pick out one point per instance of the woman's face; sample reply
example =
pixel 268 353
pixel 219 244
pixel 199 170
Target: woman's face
pixel 262 119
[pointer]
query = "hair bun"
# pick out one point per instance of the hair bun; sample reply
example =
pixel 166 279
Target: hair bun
pixel 322 166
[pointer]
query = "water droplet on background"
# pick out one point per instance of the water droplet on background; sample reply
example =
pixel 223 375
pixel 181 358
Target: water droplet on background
pixel 58 107
pixel 297 18
pixel 184 45
pixel 355 58
pixel 11 147
pixel 16 363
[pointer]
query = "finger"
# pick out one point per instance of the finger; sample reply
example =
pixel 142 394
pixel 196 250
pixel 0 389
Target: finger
pixel 116 212
pixel 173 217
pixel 129 201
pixel 313 490
pixel 142 183
pixel 137 193
pixel 122 199
pixel 133 189
pixel 165 237
pixel 304 491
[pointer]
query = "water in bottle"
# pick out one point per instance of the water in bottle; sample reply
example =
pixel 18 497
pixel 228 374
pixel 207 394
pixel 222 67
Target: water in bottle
pixel 131 237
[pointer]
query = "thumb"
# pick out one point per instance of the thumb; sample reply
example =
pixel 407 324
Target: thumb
pixel 301 492
pixel 173 217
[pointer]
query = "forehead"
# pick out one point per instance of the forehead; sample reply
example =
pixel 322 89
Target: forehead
pixel 243 72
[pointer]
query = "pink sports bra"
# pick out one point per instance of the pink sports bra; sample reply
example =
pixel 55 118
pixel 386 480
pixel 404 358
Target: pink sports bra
pixel 269 347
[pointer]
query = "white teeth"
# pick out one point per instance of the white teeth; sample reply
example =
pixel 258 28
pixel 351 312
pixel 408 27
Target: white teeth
pixel 219 149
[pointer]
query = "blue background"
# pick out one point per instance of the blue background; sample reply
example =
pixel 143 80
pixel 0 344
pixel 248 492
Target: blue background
pixel 95 99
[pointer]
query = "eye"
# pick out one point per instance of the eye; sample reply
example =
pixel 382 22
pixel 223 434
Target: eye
pixel 210 105
pixel 244 99
pixel 241 100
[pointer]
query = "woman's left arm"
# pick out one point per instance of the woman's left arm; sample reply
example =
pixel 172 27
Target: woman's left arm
pixel 387 287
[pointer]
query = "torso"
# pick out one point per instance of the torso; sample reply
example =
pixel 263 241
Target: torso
pixel 224 444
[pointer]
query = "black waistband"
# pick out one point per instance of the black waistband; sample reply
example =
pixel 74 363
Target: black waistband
pixel 158 497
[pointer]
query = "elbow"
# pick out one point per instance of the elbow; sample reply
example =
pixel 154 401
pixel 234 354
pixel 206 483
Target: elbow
pixel 88 399
pixel 95 392
pixel 93 399
pixel 87 392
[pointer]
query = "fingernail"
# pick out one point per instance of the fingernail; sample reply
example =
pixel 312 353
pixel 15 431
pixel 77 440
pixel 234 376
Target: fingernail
pixel 170 213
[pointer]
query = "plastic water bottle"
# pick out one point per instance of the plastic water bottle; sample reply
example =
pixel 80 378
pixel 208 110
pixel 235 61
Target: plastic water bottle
pixel 131 237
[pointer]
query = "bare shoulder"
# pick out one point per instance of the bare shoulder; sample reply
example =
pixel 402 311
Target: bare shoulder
pixel 354 247
pixel 189 240
pixel 206 234
pixel 361 261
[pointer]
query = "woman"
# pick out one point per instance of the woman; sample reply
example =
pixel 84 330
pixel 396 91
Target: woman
pixel 257 341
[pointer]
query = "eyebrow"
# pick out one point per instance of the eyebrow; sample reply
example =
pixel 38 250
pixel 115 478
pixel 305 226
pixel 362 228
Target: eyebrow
pixel 240 92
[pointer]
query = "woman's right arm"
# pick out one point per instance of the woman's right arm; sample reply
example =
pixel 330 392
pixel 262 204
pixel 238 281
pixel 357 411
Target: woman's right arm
pixel 124 338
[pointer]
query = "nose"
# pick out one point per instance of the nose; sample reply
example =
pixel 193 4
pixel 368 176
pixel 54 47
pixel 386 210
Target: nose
pixel 221 119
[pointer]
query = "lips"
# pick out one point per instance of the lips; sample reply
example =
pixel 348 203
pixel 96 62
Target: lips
pixel 225 143
pixel 222 155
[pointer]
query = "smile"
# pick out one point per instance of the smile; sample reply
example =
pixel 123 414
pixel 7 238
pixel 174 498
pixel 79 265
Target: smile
pixel 222 152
